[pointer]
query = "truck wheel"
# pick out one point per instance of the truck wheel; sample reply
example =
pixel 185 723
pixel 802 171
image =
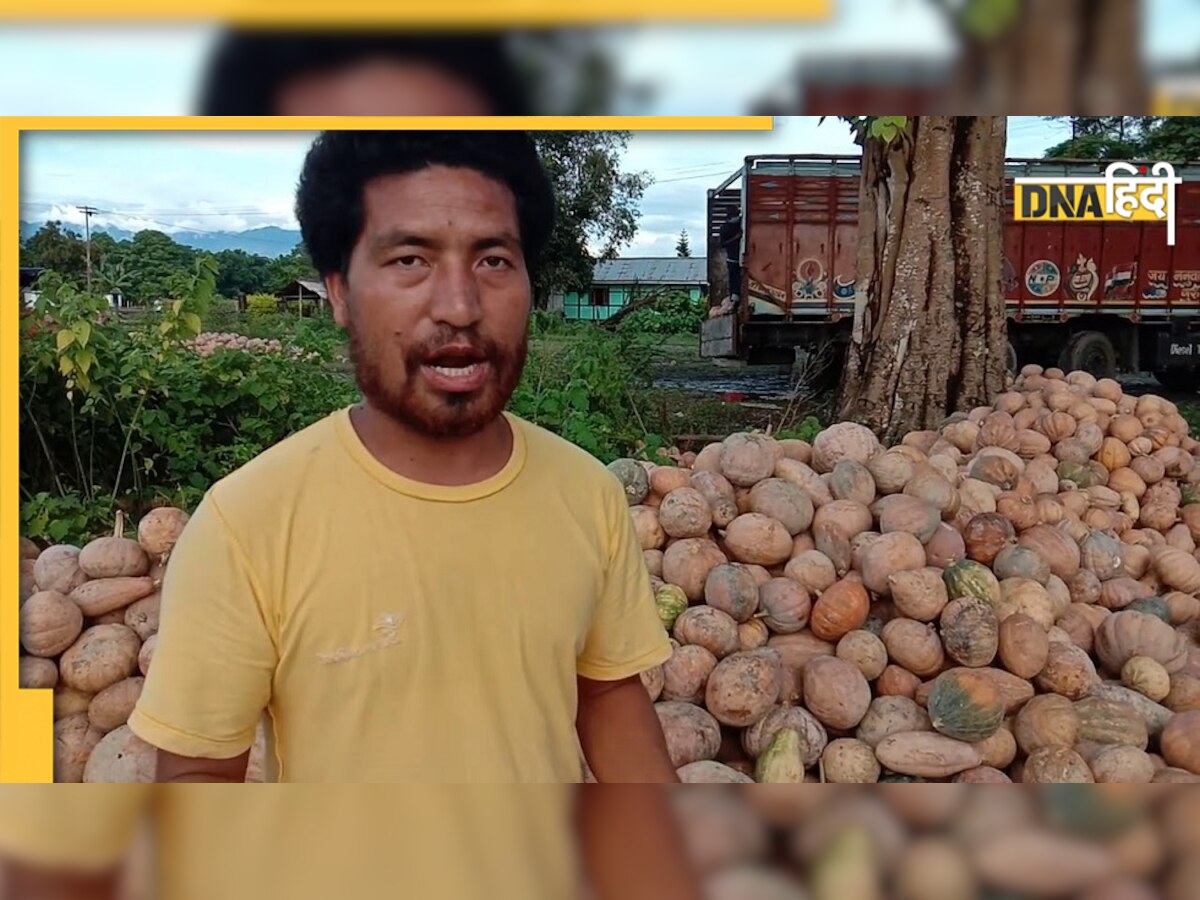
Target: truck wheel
pixel 1012 360
pixel 1183 380
pixel 1092 352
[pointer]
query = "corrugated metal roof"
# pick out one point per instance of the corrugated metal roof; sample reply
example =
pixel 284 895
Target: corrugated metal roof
pixel 652 270
pixel 317 287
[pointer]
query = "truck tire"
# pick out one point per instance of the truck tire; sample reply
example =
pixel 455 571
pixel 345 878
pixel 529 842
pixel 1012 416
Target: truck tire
pixel 1013 366
pixel 1092 352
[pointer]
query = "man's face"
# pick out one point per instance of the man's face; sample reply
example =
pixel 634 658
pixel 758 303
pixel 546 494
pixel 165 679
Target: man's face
pixel 381 88
pixel 436 299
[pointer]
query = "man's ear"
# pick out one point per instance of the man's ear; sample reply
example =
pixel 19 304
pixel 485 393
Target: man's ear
pixel 335 284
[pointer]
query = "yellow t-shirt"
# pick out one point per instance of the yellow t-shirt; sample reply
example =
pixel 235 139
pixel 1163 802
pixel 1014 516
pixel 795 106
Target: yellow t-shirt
pixel 301 841
pixel 396 631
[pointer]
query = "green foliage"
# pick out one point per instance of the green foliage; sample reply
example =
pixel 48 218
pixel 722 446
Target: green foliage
pixel 243 273
pixel 295 265
pixel 986 20
pixel 1191 414
pixel 582 387
pixel 683 246
pixel 121 411
pixel 676 313
pixel 262 304
pixel 597 205
pixel 807 430
pixel 1175 139
pixel 54 247
pixel 884 128
pixel 70 519
pixel 223 315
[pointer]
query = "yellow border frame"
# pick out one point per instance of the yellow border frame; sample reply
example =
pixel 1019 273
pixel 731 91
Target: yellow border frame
pixel 26 716
pixel 454 13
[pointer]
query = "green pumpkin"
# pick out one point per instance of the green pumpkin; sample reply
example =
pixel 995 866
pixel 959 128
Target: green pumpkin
pixel 1090 810
pixel 671 602
pixel 1152 606
pixel 968 578
pixel 633 477
pixel 965 705
pixel 783 760
pixel 1080 474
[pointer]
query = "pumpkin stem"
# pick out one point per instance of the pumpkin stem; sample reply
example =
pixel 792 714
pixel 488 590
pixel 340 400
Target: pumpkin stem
pixel 119 528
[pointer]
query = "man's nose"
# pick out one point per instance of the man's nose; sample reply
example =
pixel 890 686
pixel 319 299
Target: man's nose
pixel 456 295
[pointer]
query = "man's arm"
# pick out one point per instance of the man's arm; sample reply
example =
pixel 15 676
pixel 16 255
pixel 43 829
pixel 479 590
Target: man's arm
pixel 211 677
pixel 172 768
pixel 620 733
pixel 631 842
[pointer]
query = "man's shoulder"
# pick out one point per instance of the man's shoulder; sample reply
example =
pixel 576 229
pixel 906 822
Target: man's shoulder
pixel 551 455
pixel 285 468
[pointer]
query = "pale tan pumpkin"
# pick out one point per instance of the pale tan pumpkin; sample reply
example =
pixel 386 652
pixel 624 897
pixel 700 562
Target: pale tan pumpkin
pixel 49 623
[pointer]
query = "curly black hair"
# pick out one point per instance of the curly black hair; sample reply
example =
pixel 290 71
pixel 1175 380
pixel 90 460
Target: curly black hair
pixel 249 68
pixel 329 199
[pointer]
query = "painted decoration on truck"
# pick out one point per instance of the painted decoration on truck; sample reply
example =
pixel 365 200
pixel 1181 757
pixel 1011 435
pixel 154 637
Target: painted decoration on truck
pixel 1156 285
pixel 1118 284
pixel 811 282
pixel 843 288
pixel 1187 283
pixel 1082 279
pixel 1042 278
pixel 1008 277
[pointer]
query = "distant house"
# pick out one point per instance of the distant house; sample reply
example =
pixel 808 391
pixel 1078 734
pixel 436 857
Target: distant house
pixel 618 282
pixel 26 278
pixel 305 293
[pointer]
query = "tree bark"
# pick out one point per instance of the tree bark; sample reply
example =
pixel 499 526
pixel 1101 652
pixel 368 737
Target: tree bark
pixel 1082 56
pixel 929 328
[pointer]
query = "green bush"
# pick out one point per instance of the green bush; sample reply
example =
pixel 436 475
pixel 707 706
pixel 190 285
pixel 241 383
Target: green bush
pixel 154 423
pixel 262 304
pixel 675 313
pixel 582 386
pixel 223 315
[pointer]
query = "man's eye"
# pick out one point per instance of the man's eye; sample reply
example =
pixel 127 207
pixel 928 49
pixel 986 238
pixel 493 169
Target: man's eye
pixel 496 262
pixel 408 262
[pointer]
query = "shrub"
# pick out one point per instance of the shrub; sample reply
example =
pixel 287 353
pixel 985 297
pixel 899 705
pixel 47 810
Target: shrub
pixel 262 304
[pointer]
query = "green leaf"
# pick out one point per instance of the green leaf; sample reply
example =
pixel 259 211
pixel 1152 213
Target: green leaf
pixel 193 322
pixel 66 365
pixel 65 339
pixel 85 359
pixel 165 327
pixel 177 307
pixel 82 332
pixel 988 19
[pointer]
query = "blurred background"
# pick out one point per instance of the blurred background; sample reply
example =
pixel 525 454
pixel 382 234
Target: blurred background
pixel 910 56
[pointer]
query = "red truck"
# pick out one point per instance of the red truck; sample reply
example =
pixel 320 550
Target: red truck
pixel 1107 297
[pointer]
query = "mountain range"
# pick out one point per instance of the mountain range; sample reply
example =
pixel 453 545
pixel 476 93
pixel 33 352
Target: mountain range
pixel 268 241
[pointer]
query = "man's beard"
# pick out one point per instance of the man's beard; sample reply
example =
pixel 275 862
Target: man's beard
pixel 438 414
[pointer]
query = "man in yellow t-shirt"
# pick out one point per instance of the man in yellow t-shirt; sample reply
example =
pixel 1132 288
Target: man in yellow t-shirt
pixel 424 588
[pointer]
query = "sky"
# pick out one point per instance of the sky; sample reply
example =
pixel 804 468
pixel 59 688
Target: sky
pixel 227 181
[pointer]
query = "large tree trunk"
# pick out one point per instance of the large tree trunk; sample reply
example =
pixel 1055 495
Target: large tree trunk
pixel 929 328
pixel 1077 56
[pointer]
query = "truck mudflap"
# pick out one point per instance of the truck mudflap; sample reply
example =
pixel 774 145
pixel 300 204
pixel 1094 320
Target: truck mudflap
pixel 718 338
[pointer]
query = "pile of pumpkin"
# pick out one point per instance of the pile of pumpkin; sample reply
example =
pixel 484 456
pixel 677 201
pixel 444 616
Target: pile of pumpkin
pixel 209 342
pixel 1013 596
pixel 943 841
pixel 88 627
